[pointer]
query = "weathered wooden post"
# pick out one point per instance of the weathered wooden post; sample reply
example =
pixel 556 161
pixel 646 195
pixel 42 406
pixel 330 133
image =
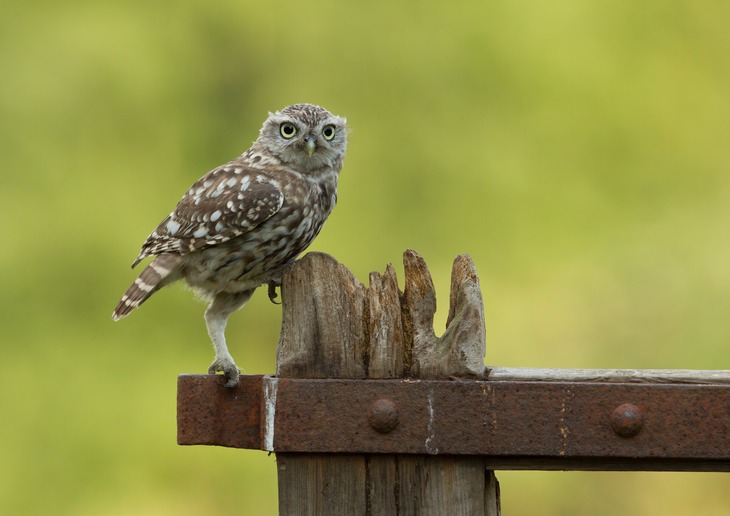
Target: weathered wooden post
pixel 370 413
pixel 334 327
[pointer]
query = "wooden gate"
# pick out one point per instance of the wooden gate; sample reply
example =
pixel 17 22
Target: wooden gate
pixel 371 413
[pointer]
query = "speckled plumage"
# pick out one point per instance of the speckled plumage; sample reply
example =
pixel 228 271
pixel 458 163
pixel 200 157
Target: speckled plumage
pixel 240 224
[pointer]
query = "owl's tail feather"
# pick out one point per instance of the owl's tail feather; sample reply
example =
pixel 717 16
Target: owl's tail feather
pixel 160 272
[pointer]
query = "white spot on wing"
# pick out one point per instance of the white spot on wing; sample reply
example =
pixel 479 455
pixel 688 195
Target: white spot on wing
pixel 215 215
pixel 172 226
pixel 200 232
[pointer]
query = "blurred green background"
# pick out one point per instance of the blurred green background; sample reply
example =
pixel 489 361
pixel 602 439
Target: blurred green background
pixel 578 150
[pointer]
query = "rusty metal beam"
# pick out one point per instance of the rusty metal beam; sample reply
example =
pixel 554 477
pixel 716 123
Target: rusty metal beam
pixel 514 424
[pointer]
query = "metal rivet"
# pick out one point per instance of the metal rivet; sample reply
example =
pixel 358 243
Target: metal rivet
pixel 383 415
pixel 627 420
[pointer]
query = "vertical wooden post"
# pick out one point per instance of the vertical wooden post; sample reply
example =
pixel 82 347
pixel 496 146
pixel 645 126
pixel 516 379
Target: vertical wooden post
pixel 334 327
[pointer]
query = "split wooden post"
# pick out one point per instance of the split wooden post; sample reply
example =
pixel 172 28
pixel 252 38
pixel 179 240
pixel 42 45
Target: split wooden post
pixel 335 327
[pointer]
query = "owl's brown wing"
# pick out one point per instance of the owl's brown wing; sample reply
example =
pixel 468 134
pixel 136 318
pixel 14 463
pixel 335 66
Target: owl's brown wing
pixel 225 203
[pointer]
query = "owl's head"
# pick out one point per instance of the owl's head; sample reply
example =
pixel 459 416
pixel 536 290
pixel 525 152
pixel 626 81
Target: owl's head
pixel 305 136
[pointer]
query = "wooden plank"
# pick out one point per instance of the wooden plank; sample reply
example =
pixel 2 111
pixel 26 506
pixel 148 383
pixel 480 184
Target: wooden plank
pixel 322 336
pixel 321 484
pixel 386 351
pixel 435 485
pixel 388 359
pixel 384 484
pixel 446 485
pixel 673 376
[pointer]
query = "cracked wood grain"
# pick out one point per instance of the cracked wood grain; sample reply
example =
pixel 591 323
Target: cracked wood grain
pixel 334 327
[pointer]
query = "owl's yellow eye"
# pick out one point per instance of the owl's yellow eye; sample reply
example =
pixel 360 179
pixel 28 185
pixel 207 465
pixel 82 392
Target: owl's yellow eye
pixel 288 130
pixel 328 132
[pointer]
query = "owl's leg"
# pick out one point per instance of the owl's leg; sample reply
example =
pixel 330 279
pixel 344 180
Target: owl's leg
pixel 216 318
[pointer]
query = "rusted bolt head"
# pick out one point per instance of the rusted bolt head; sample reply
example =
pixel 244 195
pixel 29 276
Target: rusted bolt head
pixel 383 415
pixel 627 420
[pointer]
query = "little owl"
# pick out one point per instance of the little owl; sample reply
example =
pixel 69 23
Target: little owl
pixel 242 223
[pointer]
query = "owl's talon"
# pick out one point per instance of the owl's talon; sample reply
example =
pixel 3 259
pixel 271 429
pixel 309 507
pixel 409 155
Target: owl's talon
pixel 272 293
pixel 232 381
pixel 228 368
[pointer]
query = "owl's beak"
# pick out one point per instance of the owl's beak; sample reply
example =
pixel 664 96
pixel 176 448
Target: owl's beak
pixel 310 143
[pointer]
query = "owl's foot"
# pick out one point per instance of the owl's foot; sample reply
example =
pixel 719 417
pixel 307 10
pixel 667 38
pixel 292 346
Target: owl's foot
pixel 228 368
pixel 272 292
